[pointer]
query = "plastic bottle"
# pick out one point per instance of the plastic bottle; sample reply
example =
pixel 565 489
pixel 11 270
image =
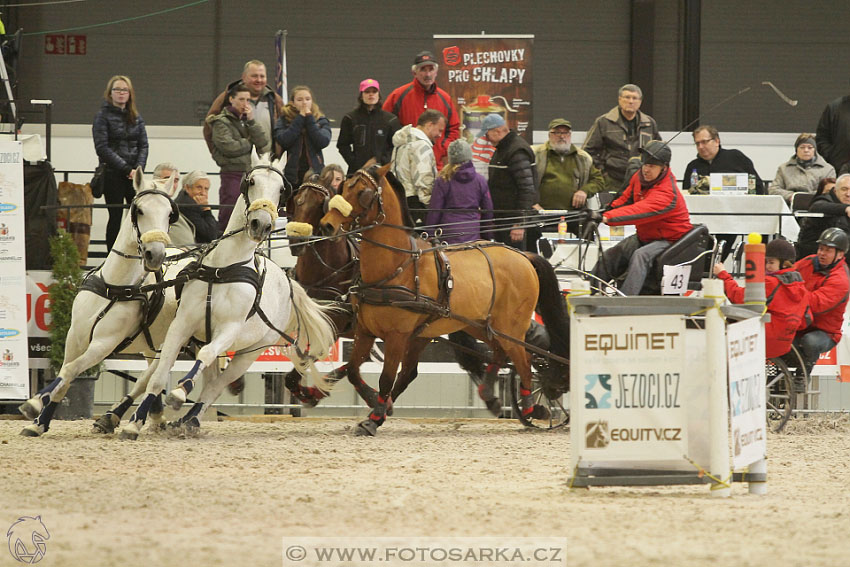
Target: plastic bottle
pixel 562 230
pixel 694 177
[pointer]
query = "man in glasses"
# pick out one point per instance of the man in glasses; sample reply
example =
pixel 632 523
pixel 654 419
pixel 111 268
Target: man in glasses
pixel 712 158
pixel 619 135
pixel 567 174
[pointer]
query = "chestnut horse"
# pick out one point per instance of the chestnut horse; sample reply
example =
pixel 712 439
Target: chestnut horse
pixel 411 292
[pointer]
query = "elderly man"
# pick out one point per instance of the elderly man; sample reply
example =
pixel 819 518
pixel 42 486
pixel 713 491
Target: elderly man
pixel 267 104
pixel 653 203
pixel 162 172
pixel 619 135
pixel 413 161
pixel 834 205
pixel 410 100
pixel 567 174
pixel 194 205
pixel 512 180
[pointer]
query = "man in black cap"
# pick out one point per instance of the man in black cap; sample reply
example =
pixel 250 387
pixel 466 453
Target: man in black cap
pixel 410 100
pixel 653 203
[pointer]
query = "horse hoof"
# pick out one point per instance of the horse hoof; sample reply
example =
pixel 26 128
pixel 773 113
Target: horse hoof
pixel 237 386
pixel 130 432
pixel 365 428
pixel 541 412
pixel 105 424
pixel 157 425
pixel 176 398
pixel 31 408
pixel 494 406
pixel 32 430
pixel 192 426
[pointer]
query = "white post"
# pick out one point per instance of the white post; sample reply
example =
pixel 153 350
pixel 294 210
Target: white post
pixel 718 417
pixel 758 486
pixel 578 287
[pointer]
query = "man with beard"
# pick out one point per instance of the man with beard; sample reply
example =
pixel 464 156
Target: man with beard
pixel 653 203
pixel 567 174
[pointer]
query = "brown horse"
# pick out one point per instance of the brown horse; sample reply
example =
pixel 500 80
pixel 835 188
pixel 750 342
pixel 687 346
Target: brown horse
pixel 411 292
pixel 325 269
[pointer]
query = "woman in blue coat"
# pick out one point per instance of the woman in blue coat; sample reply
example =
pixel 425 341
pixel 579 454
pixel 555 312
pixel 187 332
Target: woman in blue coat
pixel 121 143
pixel 302 131
pixel 460 187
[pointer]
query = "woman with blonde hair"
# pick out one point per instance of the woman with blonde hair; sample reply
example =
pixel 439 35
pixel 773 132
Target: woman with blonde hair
pixel 303 132
pixel 332 177
pixel 460 199
pixel 121 142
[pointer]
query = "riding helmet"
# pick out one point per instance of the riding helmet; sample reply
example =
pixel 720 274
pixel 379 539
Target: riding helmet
pixel 836 238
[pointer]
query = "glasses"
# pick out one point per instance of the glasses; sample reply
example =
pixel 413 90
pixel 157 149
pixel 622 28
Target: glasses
pixel 560 133
pixel 120 90
pixel 699 143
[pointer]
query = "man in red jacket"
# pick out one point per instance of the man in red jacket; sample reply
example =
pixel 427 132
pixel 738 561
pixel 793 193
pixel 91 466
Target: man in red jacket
pixel 410 100
pixel 653 203
pixel 826 277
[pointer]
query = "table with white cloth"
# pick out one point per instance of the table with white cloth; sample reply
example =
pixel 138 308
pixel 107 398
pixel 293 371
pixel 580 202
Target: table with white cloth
pixel 742 214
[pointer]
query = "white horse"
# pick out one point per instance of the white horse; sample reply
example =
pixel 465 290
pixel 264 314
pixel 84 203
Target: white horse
pixel 241 301
pixel 110 306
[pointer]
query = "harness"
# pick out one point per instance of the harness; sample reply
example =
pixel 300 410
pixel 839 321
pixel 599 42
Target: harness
pixel 151 304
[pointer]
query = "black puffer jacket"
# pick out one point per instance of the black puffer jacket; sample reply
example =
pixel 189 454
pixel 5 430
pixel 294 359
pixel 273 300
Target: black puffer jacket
pixel 122 146
pixel 834 215
pixel 513 177
pixel 366 134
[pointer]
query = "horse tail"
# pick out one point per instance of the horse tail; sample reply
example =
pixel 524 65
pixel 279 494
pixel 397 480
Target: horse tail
pixel 315 332
pixel 552 307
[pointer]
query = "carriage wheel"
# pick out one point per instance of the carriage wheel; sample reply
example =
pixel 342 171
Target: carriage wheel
pixel 559 415
pixel 780 399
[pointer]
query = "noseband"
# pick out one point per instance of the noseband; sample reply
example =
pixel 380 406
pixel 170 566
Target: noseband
pixel 248 180
pixel 134 219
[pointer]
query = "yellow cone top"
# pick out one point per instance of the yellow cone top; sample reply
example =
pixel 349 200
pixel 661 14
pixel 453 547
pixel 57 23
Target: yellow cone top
pixel 754 238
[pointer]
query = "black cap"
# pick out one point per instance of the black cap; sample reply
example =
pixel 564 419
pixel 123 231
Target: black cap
pixel 424 58
pixel 655 152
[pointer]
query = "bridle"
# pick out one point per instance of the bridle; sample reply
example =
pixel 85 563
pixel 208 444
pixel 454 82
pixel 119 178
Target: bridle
pixel 134 219
pixel 248 180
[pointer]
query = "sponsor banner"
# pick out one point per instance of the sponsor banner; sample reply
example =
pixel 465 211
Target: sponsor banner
pixel 630 389
pixel 747 390
pixel 487 74
pixel 14 370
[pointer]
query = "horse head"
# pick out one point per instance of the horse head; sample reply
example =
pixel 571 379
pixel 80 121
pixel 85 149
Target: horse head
pixel 361 200
pixel 261 189
pixel 305 209
pixel 151 212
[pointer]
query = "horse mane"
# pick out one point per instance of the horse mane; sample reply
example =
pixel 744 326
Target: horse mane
pixel 402 198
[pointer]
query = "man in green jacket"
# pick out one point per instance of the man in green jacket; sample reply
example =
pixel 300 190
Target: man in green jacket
pixel 567 174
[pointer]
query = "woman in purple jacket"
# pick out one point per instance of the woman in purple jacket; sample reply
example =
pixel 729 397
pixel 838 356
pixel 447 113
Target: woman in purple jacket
pixel 460 199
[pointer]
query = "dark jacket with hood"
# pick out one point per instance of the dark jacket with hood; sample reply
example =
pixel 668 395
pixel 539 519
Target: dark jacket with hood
pixel 513 176
pixel 302 135
pixel 366 134
pixel 834 215
pixel 121 146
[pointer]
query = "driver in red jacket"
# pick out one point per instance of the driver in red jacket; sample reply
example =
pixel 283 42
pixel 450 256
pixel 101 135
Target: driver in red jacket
pixel 410 100
pixel 826 277
pixel 653 203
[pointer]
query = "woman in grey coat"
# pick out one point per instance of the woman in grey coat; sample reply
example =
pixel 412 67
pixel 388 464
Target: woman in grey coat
pixel 803 172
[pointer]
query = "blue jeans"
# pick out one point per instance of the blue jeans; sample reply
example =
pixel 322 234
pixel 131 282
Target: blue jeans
pixel 633 256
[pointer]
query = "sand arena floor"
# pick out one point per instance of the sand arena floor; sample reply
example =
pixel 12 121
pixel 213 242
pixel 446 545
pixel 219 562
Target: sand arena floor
pixel 229 496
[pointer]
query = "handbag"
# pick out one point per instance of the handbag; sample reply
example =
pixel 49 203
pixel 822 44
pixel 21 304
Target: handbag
pixel 98 181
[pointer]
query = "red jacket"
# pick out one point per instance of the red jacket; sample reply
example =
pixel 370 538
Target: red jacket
pixel 787 303
pixel 659 212
pixel 828 293
pixel 414 99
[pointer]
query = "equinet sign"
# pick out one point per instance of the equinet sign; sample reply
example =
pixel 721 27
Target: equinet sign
pixel 631 341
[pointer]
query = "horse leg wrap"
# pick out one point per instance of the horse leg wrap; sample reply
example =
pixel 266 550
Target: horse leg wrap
pixel 46 415
pixel 527 403
pixel 48 390
pixel 141 414
pixel 122 407
pixel 193 412
pixel 369 395
pixel 188 381
pixel 379 412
